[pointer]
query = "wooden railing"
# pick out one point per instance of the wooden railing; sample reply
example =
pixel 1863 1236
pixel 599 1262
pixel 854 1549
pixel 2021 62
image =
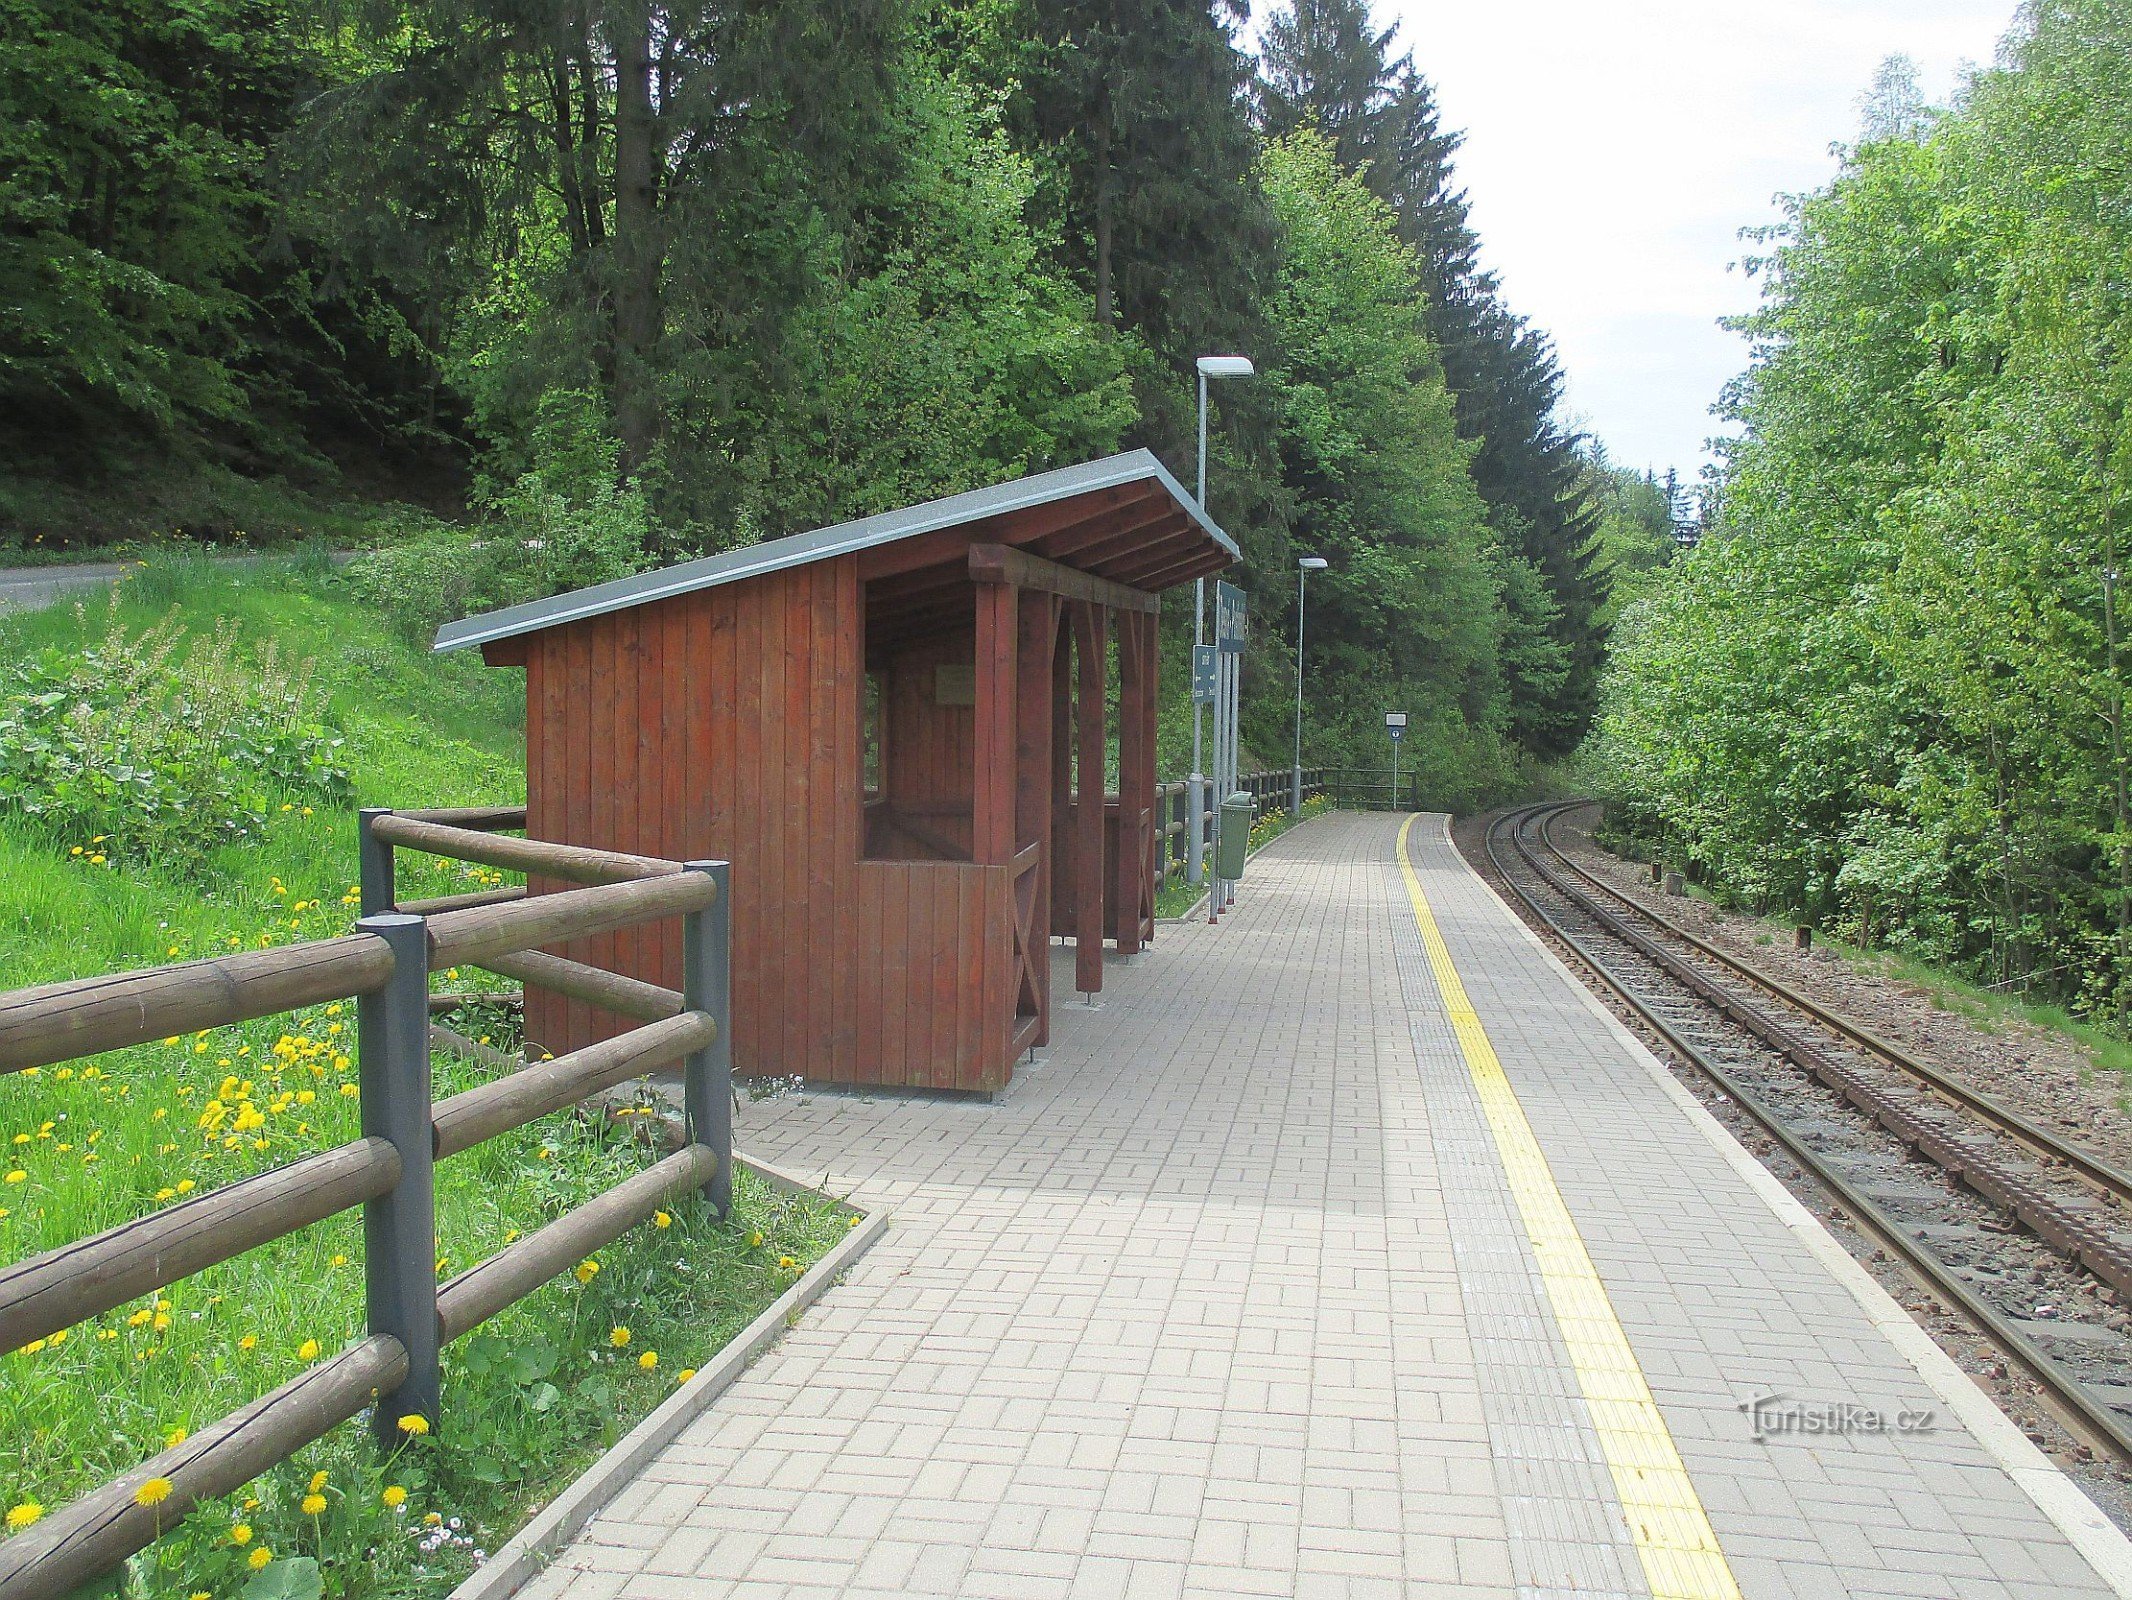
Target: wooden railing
pixel 1269 791
pixel 385 966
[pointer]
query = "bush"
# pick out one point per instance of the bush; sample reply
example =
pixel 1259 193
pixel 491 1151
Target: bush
pixel 138 747
pixel 542 542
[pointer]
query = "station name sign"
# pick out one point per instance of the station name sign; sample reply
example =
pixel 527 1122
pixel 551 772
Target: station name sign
pixel 1228 619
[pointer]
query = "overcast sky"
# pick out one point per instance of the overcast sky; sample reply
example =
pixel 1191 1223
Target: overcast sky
pixel 1615 149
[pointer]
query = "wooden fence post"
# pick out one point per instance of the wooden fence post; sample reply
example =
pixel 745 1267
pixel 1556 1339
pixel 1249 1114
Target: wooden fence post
pixel 400 1226
pixel 707 986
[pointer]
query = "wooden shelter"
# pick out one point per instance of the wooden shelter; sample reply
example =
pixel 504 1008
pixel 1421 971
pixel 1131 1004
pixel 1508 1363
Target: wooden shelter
pixel 889 728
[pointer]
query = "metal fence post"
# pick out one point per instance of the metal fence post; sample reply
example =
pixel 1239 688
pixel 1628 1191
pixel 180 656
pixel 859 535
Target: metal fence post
pixel 400 1227
pixel 374 856
pixel 707 986
pixel 1195 844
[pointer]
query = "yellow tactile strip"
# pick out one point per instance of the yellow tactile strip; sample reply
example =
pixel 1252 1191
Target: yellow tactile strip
pixel 1674 1540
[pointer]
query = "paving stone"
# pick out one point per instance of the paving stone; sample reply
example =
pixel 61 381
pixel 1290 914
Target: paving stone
pixel 1229 1296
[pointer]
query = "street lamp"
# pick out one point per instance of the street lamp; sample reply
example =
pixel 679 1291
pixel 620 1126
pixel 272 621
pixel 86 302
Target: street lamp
pixel 1196 785
pixel 1304 567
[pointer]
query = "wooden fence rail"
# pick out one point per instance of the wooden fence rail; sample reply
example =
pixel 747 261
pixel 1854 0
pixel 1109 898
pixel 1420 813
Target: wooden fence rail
pixel 385 967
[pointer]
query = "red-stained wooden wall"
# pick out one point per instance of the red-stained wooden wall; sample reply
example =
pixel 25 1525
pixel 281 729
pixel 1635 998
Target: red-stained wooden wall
pixel 727 724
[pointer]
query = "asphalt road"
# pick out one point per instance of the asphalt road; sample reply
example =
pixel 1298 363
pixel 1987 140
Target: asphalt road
pixel 34 588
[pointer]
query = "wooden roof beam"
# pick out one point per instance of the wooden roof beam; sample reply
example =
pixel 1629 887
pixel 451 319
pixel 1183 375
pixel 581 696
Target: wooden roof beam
pixel 1015 527
pixel 1103 530
pixel 1195 564
pixel 998 563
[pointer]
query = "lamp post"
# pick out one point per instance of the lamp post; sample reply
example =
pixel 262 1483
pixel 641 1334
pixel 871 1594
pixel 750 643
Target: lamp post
pixel 1304 567
pixel 1196 785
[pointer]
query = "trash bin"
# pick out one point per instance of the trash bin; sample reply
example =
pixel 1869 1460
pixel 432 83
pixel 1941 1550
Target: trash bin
pixel 1234 837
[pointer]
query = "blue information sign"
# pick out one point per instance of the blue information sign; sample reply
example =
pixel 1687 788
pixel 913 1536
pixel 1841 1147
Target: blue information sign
pixel 1205 673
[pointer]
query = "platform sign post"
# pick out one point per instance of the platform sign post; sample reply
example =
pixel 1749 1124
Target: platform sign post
pixel 1395 724
pixel 1206 683
pixel 1229 630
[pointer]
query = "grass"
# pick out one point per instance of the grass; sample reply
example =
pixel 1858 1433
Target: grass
pixel 529 1399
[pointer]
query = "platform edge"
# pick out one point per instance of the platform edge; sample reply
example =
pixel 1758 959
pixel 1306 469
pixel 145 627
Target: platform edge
pixel 2098 1540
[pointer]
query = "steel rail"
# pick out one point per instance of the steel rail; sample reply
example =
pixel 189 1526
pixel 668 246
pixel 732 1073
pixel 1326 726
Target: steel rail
pixel 2078 1228
pixel 2091 1168
pixel 2079 1409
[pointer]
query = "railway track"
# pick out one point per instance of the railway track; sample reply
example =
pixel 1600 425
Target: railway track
pixel 2025 1225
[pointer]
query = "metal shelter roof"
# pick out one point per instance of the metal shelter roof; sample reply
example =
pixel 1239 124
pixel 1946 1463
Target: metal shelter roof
pixel 1154 539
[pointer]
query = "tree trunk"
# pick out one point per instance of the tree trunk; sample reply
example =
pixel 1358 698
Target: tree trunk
pixel 639 242
pixel 1104 312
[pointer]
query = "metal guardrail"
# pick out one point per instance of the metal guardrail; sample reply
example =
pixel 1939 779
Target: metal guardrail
pixel 1269 791
pixel 1372 789
pixel 385 967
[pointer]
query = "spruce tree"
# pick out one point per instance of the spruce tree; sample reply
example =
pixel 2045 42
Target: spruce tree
pixel 1142 105
pixel 1325 64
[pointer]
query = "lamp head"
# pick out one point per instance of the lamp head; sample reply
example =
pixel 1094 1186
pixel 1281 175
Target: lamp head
pixel 1226 367
pixel 1312 563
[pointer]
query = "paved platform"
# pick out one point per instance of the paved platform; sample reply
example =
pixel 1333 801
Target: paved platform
pixel 1348 1249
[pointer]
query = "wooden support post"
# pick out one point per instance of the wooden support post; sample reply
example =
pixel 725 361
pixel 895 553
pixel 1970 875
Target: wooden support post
pixel 992 811
pixel 707 986
pixel 1150 651
pixel 1035 646
pixel 1091 640
pixel 1063 877
pixel 1133 795
pixel 400 1226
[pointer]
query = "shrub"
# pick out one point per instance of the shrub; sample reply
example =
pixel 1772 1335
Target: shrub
pixel 542 542
pixel 138 746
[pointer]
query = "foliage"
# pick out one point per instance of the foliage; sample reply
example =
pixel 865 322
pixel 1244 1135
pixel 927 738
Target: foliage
pixel 1328 67
pixel 1888 686
pixel 137 748
pixel 1410 612
pixel 541 543
pixel 162 295
pixel 131 1132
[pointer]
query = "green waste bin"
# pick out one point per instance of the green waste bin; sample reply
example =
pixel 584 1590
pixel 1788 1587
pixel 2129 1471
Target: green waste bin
pixel 1233 838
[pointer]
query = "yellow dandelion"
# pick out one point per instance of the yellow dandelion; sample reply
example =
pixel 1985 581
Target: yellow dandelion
pixel 248 1342
pixel 18 1176
pixel 394 1497
pixel 185 1186
pixel 318 1482
pixel 241 1534
pixel 587 1270
pixel 618 1337
pixel 755 1240
pixel 661 1219
pixel 174 1438
pixel 258 1559
pixel 649 1360
pixel 307 1351
pixel 313 1505
pixel 684 1374
pixel 414 1424
pixel 21 1516
pixel 786 1264
pixel 152 1493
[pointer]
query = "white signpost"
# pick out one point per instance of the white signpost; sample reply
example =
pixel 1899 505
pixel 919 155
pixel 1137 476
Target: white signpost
pixel 1395 724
